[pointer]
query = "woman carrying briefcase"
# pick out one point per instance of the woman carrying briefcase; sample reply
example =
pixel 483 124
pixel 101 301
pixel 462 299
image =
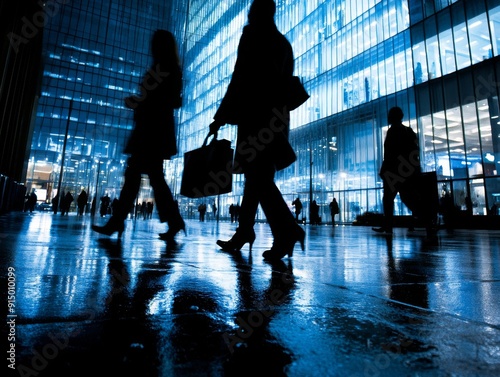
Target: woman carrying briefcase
pixel 264 63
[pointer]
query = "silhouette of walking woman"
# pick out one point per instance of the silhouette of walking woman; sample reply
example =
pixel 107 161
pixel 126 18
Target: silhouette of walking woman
pixel 153 138
pixel 256 102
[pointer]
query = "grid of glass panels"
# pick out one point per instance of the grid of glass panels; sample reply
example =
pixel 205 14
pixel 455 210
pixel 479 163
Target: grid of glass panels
pixel 357 59
pixel 96 53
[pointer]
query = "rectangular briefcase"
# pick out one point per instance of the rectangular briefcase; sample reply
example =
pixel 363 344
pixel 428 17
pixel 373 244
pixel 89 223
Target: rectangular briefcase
pixel 208 170
pixel 429 194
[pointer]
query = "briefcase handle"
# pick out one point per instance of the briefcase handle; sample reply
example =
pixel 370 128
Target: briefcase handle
pixel 206 139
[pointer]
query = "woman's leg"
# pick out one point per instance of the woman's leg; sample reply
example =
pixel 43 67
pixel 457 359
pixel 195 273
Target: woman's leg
pixel 388 197
pixel 125 203
pixel 286 232
pixel 246 220
pixel 249 205
pixel 129 190
pixel 280 218
pixel 163 196
pixel 167 207
pixel 168 210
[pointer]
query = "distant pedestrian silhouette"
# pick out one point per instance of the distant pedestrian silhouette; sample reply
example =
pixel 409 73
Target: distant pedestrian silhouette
pixel 55 203
pixel 31 201
pixel 153 138
pixel 81 202
pixel 105 203
pixel 400 172
pixel 214 210
pixel 334 209
pixel 448 211
pixel 144 210
pixel 237 209
pixel 113 205
pixel 202 209
pixel 256 102
pixel 298 208
pixel 66 203
pixel 314 217
pixel 150 207
pixel 231 212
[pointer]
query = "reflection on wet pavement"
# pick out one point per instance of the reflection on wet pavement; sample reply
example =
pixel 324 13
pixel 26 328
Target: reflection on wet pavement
pixel 353 303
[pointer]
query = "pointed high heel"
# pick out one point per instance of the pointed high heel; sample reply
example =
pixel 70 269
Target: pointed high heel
pixel 237 241
pixel 111 227
pixel 284 247
pixel 170 234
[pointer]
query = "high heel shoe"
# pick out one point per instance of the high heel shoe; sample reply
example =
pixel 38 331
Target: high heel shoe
pixel 173 229
pixel 237 241
pixel 284 246
pixel 111 227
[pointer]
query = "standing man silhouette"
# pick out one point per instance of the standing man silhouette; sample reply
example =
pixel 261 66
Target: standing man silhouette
pixel 400 171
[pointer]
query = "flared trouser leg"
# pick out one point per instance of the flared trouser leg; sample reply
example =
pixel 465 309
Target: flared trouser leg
pixel 129 192
pixel 249 205
pixel 261 189
pixel 167 208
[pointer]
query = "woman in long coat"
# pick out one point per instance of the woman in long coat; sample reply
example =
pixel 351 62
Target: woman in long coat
pixel 255 102
pixel 153 138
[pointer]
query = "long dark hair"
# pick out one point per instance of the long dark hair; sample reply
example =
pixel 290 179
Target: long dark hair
pixel 164 50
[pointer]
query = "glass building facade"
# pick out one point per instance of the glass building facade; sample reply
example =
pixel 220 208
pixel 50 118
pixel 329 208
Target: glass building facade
pixel 95 55
pixel 437 60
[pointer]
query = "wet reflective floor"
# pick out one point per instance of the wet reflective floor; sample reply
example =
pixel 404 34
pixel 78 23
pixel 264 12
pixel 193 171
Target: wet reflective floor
pixel 353 303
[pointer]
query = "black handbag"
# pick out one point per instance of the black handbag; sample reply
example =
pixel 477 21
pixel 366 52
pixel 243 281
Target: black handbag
pixel 208 170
